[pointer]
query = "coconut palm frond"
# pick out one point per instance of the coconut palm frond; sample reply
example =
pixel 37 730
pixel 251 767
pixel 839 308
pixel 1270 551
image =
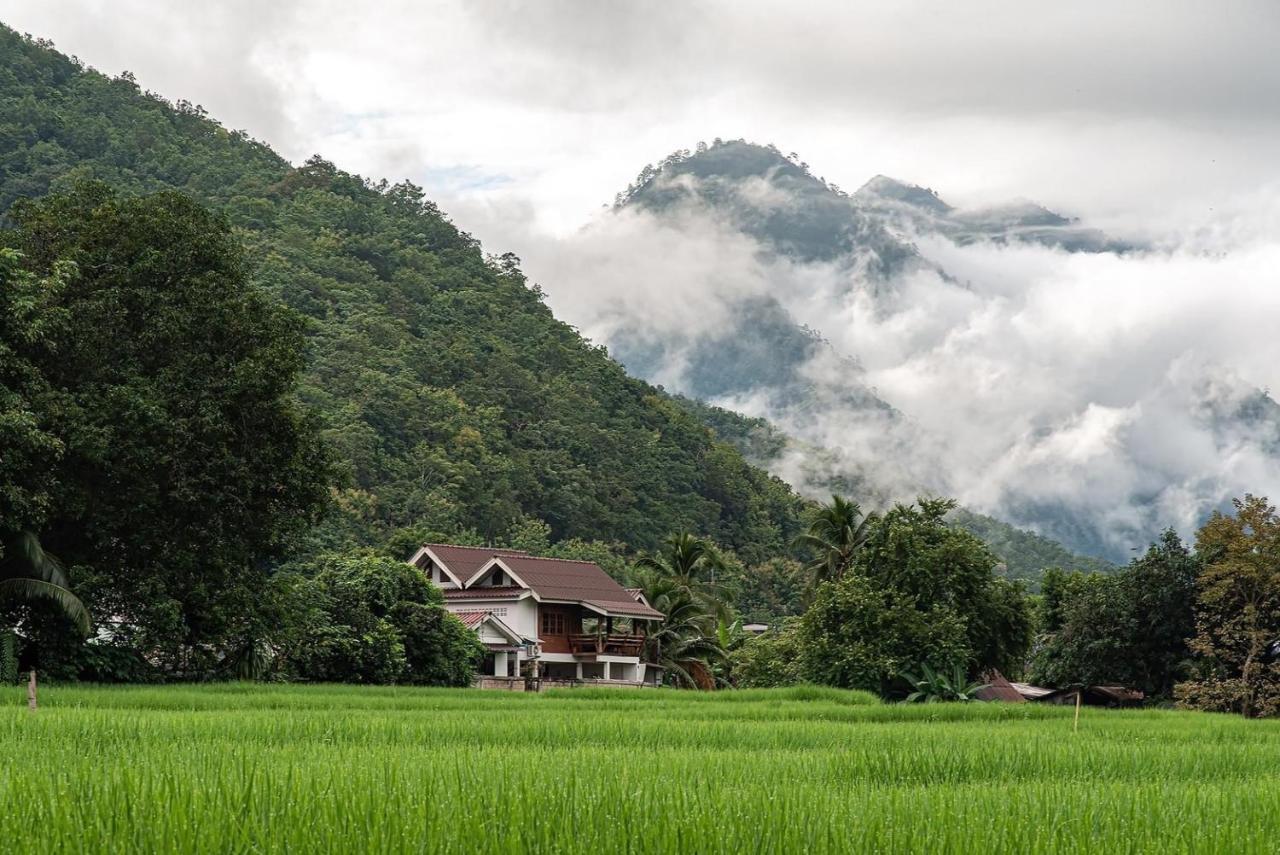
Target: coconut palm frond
pixel 26 589
pixel 24 557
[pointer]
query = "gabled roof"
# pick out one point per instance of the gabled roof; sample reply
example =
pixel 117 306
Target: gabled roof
pixel 475 619
pixel 559 579
pixel 460 562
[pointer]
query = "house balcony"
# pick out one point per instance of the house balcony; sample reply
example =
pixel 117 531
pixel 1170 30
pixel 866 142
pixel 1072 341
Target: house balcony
pixel 587 647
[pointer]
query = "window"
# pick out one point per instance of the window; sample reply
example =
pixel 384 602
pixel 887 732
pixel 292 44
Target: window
pixel 554 623
pixel 498 612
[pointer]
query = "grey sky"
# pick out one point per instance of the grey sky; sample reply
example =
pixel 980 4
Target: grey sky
pixel 1110 110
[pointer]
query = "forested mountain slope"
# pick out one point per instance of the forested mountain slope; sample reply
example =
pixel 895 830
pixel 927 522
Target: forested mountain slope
pixel 455 400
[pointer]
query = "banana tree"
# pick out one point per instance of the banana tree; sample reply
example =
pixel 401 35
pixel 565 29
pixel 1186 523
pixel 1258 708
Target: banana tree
pixel 28 575
pixel 937 686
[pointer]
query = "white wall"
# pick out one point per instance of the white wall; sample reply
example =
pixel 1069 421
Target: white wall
pixel 521 615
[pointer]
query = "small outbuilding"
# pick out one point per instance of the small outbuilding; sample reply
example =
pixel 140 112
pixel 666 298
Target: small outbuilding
pixel 999 689
pixel 1114 697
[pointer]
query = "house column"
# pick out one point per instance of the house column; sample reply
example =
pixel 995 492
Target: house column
pixel 608 670
pixel 579 664
pixel 500 663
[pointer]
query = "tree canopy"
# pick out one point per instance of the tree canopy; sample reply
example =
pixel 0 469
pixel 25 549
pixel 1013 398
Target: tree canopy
pixel 165 380
pixel 1237 615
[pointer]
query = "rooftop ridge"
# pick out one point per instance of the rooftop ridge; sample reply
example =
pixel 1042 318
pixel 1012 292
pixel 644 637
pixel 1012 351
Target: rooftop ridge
pixel 495 549
pixel 565 560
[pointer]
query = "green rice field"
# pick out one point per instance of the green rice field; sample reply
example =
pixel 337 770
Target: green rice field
pixel 249 768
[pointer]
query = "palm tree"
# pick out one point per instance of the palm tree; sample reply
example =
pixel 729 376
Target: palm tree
pixel 29 574
pixel 685 644
pixel 836 533
pixel 680 581
pixel 691 563
pixel 690 559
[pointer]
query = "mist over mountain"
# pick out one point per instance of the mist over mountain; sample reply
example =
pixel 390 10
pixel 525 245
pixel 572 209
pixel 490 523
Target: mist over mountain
pixel 1079 383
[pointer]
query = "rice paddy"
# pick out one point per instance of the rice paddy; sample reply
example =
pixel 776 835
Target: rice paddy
pixel 249 768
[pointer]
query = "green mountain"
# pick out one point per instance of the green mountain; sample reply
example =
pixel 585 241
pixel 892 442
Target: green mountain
pixel 460 405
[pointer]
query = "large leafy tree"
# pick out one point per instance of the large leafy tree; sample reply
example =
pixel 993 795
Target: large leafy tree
pixel 1131 627
pixel 28 315
pixel 913 549
pixel 917 591
pixel 859 634
pixel 1238 613
pixel 366 619
pixel 166 381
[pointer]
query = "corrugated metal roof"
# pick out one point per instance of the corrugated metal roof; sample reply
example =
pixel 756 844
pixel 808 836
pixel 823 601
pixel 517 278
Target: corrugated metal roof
pixel 473 619
pixel 999 689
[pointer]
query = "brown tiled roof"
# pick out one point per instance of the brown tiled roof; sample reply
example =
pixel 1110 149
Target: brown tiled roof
pixel 579 582
pixel 471 620
pixel 464 561
pixel 505 592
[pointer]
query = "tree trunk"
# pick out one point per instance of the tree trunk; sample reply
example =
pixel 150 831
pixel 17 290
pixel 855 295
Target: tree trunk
pixel 31 691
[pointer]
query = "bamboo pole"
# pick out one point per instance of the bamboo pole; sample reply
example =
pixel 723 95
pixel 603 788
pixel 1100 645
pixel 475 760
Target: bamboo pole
pixel 31 691
pixel 1079 699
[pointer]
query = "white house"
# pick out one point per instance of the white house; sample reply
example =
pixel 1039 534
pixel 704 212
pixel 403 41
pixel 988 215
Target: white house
pixel 570 619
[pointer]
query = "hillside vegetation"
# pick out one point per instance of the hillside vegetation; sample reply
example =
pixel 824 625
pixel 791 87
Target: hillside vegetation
pixel 453 403
pixel 453 399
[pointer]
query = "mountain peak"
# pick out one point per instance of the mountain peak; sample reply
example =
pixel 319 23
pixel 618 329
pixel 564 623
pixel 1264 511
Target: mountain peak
pixel 883 188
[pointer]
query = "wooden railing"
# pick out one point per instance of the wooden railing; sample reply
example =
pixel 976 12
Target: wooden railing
pixel 611 645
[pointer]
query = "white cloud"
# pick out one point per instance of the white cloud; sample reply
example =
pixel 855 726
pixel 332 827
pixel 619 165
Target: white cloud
pixel 1097 389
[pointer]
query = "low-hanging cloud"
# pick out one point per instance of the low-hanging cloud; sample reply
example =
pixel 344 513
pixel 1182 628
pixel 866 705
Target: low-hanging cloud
pixel 1099 397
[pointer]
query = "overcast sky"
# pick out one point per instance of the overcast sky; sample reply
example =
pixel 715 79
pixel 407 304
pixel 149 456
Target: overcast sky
pixel 1103 109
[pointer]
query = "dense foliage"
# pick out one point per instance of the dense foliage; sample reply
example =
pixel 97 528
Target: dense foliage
pixel 903 590
pixel 1129 628
pixel 182 463
pixel 1237 616
pixel 452 397
pixel 365 619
